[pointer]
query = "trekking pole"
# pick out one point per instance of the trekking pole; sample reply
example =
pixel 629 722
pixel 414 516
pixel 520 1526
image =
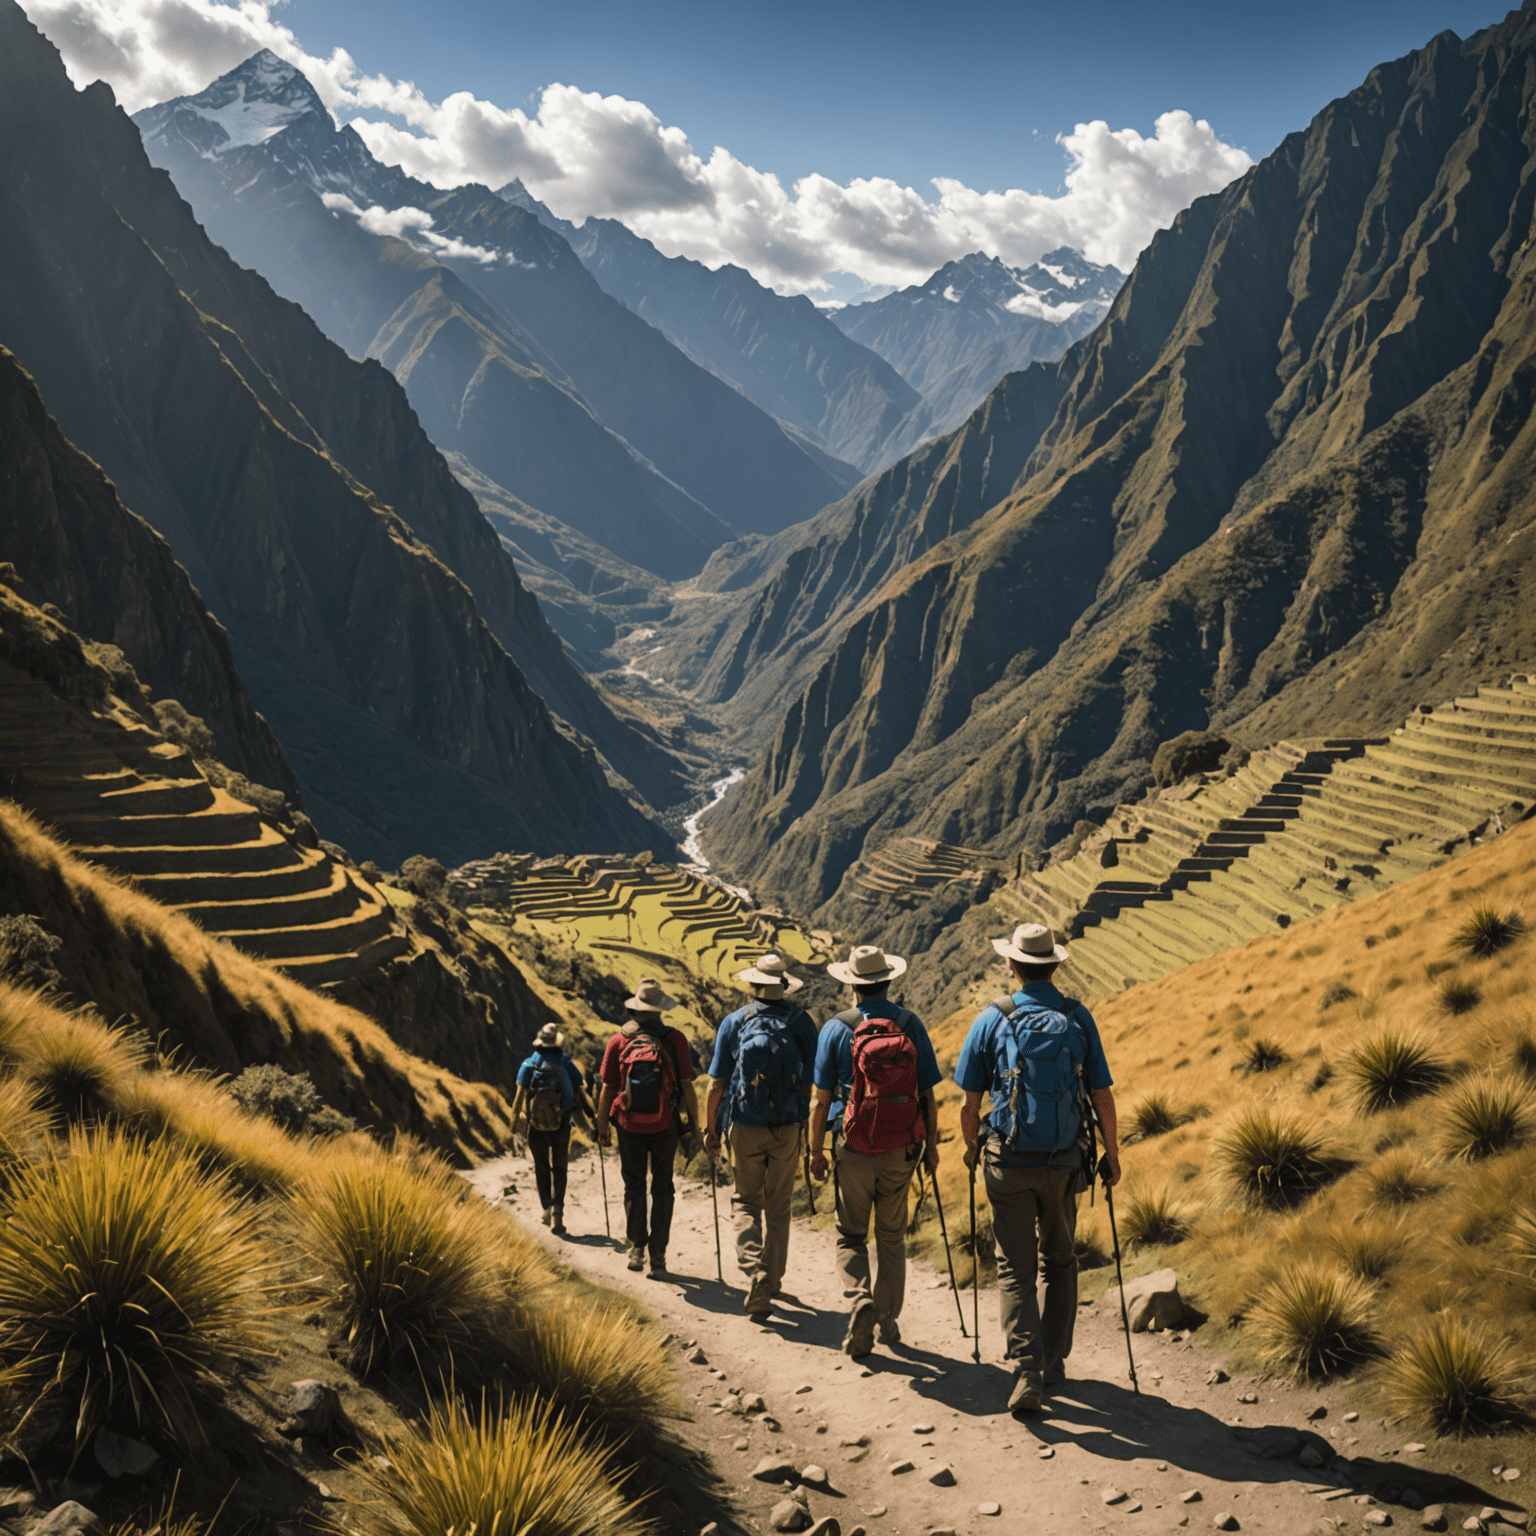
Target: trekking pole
pixel 948 1259
pixel 805 1163
pixel 714 1201
pixel 975 1273
pixel 602 1173
pixel 1114 1237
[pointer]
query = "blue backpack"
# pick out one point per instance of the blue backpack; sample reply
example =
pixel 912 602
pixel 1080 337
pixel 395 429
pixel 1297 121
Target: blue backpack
pixel 767 1079
pixel 550 1095
pixel 1037 1075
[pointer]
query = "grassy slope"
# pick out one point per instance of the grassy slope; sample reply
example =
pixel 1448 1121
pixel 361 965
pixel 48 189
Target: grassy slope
pixel 1186 1036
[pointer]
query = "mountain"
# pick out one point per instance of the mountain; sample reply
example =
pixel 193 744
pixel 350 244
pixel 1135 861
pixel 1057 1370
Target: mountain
pixel 784 353
pixel 953 337
pixel 1285 491
pixel 298 491
pixel 510 350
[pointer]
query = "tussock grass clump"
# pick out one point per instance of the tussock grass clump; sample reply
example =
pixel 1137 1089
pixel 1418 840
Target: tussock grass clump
pixel 521 1470
pixel 1457 997
pixel 1485 1118
pixel 1523 1054
pixel 1334 993
pixel 127 1280
pixel 1487 931
pixel 1148 1221
pixel 1391 1069
pixel 402 1255
pixel 1367 1251
pixel 1458 1376
pixel 1522 1240
pixel 1399 1181
pixel 1154 1116
pixel 1263 1056
pixel 82 1069
pixel 1273 1162
pixel 1314 1322
pixel 23 1125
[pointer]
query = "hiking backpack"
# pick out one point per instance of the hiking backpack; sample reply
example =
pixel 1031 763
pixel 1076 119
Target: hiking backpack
pixel 882 1112
pixel 1041 1078
pixel 549 1094
pixel 648 1073
pixel 767 1078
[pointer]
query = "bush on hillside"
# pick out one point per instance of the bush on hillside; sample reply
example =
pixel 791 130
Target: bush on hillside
pixel 1334 993
pixel 1486 932
pixel 1272 1162
pixel 424 877
pixel 81 1068
pixel 1263 1056
pixel 1367 1251
pixel 290 1099
pixel 1458 997
pixel 127 1281
pixel 1391 1069
pixel 23 1125
pixel 1399 1181
pixel 1485 1118
pixel 1315 1323
pixel 1523 1053
pixel 1151 1221
pixel 1458 1376
pixel 1153 1116
pixel 1186 755
pixel 27 953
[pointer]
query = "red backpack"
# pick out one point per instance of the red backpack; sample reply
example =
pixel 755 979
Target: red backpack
pixel 883 1111
pixel 648 1076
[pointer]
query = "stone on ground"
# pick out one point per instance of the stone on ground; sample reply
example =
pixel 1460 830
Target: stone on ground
pixel 1433 1518
pixel 1152 1302
pixel 814 1476
pixel 896 1468
pixel 68 1519
pixel 989 1508
pixel 312 1409
pixel 942 1476
pixel 774 1469
pixel 697 1357
pixel 1216 1377
pixel 1112 1496
pixel 1377 1517
pixel 787 1515
pixel 1226 1523
pixel 1192 1497
pixel 922 1429
pixel 118 1456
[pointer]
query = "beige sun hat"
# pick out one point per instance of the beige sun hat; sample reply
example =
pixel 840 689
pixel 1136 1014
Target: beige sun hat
pixel 1031 944
pixel 867 965
pixel 649 998
pixel 770 972
pixel 549 1037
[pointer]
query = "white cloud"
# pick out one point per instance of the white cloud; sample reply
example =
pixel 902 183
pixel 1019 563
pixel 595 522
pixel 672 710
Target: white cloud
pixel 588 155
pixel 401 223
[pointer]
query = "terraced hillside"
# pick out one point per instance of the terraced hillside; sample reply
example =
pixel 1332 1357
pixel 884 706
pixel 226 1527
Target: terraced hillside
pixel 912 868
pixel 128 799
pixel 1301 828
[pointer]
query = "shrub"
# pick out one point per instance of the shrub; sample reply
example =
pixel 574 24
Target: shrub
pixel 401 1256
pixel 1458 1376
pixel 1154 1116
pixel 81 1068
pixel 1273 1162
pixel 1263 1056
pixel 1399 1181
pixel 1391 1069
pixel 1366 1252
pixel 289 1098
pixel 127 1278
pixel 1314 1322
pixel 1486 932
pixel 1457 997
pixel 27 950
pixel 1152 1220
pixel 1090 1248
pixel 23 1125
pixel 1336 992
pixel 1486 1118
pixel 523 1470
pixel 1186 755
pixel 424 877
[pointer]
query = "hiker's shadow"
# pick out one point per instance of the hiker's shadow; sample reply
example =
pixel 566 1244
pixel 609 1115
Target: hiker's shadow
pixel 977 1390
pixel 706 1294
pixel 591 1240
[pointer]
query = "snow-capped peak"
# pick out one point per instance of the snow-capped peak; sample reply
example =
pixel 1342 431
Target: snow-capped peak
pixel 250 104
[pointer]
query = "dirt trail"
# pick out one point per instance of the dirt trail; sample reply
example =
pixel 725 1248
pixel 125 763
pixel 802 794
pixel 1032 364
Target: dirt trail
pixel 1094 1437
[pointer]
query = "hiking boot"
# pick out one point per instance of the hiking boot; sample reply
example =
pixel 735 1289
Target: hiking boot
pixel 636 1257
pixel 545 1218
pixel 760 1298
pixel 1026 1395
pixel 890 1332
pixel 861 1331
pixel 658 1265
pixel 557 1226
pixel 1055 1374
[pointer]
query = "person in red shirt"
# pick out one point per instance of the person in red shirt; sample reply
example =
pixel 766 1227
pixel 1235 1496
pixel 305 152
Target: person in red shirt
pixel 647 1076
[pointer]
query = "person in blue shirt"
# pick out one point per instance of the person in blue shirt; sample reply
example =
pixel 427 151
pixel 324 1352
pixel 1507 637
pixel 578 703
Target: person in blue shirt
pixel 549 1090
pixel 1035 1053
pixel 760 1097
pixel 877 1058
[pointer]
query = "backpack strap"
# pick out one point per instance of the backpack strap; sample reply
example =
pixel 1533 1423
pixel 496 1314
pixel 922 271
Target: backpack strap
pixel 1005 1005
pixel 852 1017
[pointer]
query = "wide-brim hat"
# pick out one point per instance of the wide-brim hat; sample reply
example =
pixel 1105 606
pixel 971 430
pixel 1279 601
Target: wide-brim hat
pixel 1031 944
pixel 649 998
pixel 549 1037
pixel 770 972
pixel 867 965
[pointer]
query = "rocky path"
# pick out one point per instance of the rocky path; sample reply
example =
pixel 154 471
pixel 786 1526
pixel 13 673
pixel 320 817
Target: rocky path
pixel 916 1439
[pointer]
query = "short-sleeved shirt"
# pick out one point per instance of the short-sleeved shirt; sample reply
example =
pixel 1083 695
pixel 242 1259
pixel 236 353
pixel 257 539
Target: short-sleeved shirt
pixel 613 1075
pixel 572 1074
pixel 834 1049
pixel 981 1055
pixel 802 1030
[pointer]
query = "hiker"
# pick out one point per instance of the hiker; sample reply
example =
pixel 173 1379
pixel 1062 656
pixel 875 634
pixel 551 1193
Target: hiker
pixel 1035 1053
pixel 647 1074
pixel 549 1089
pixel 877 1057
pixel 760 1096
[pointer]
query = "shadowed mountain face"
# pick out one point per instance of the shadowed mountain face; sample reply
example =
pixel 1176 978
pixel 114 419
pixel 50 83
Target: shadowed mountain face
pixel 1286 487
pixel 784 353
pixel 282 474
pixel 512 353
pixel 953 337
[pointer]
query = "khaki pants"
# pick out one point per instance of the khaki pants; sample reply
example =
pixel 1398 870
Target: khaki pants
pixel 878 1185
pixel 1034 1226
pixel 764 1158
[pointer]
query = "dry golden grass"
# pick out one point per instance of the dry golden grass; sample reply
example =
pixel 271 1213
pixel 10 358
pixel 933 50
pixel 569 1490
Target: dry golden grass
pixel 1314 1322
pixel 1458 1376
pixel 23 1125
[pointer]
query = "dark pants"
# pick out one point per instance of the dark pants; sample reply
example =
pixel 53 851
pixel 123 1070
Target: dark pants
pixel 551 1154
pixel 637 1153
pixel 1034 1225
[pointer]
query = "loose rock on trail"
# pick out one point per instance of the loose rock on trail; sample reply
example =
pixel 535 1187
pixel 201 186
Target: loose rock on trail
pixel 916 1438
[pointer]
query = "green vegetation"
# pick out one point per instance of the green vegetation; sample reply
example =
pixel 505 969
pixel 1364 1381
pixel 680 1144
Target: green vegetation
pixel 1458 1376
pixel 1272 1161
pixel 1186 755
pixel 1315 1323
pixel 290 1099
pixel 1485 1118
pixel 1391 1068
pixel 1487 931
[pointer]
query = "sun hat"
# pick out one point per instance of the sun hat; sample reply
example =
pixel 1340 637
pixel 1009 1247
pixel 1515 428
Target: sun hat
pixel 867 965
pixel 770 972
pixel 649 998
pixel 1031 944
pixel 549 1037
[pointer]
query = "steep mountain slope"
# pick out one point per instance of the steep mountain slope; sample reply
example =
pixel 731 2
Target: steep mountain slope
pixel 75 545
pixel 781 352
pixel 537 318
pixel 953 337
pixel 1286 488
pixel 275 466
